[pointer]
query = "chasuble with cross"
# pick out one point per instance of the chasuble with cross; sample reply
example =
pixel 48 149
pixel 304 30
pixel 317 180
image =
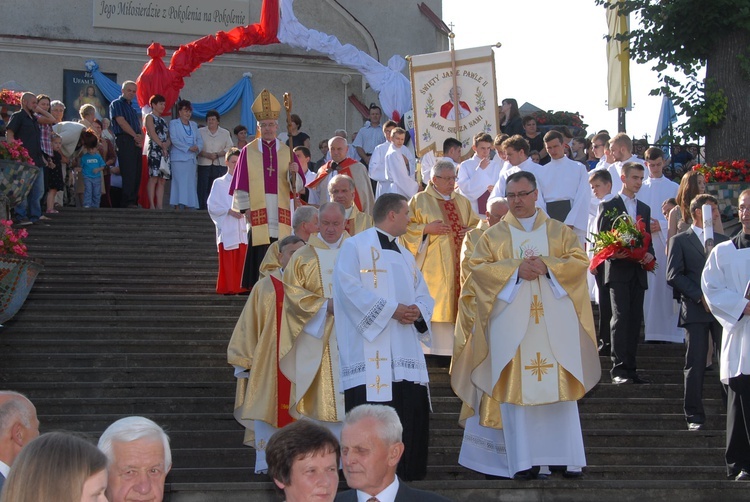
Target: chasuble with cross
pixel 262 397
pixel 525 350
pixel 439 256
pixel 261 187
pixel 308 350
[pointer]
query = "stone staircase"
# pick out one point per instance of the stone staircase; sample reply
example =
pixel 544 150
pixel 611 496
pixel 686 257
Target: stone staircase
pixel 124 320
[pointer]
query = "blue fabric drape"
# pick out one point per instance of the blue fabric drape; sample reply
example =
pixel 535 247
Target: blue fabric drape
pixel 242 90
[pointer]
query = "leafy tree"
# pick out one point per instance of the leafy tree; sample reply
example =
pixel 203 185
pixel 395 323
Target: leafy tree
pixel 680 37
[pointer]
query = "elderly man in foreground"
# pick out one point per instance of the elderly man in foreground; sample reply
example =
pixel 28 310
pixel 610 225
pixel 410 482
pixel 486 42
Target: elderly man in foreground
pixel 18 426
pixel 139 459
pixel 371 448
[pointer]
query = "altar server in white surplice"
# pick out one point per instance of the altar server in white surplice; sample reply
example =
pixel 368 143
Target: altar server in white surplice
pixel 724 283
pixel 376 167
pixel 478 175
pixel 516 150
pixel 621 150
pixel 660 314
pixel 565 181
pixel 525 348
pixel 399 171
pixel 383 311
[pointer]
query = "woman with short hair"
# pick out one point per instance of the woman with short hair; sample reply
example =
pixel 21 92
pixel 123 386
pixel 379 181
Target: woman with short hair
pixel 186 143
pixel 158 143
pixel 211 165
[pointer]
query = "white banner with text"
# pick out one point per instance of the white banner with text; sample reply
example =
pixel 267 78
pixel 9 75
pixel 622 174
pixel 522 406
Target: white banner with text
pixel 189 17
pixel 441 102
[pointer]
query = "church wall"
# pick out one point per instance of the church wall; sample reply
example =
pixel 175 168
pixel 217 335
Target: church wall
pixel 38 42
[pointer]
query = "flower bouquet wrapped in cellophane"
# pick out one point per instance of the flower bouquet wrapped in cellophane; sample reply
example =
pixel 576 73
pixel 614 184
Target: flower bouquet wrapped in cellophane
pixel 626 235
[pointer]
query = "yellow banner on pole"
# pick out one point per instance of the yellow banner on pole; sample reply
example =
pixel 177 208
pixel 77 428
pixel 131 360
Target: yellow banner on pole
pixel 618 60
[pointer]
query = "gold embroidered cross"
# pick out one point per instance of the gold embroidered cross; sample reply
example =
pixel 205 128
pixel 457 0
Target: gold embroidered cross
pixel 375 257
pixel 539 366
pixel 377 359
pixel 537 309
pixel 377 384
pixel 256 218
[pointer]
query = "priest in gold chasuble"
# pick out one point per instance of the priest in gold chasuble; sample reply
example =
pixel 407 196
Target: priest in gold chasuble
pixel 341 189
pixel 262 186
pixel 440 218
pixel 304 224
pixel 497 207
pixel 262 399
pixel 308 350
pixel 525 348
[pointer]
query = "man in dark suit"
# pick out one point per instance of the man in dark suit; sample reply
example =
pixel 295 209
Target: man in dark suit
pixel 626 278
pixel 685 262
pixel 18 426
pixel 371 448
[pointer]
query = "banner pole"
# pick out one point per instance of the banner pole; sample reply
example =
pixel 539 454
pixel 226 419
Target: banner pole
pixel 456 105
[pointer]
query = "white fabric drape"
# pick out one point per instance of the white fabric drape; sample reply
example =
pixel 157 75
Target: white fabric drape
pixel 393 86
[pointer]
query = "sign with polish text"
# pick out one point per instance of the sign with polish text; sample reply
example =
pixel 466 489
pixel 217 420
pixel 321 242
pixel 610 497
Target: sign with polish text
pixel 189 17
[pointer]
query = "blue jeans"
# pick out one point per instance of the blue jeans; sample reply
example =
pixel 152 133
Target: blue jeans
pixel 92 192
pixel 31 208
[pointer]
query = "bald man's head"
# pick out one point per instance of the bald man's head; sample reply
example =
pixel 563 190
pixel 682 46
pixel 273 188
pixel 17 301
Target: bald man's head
pixel 18 424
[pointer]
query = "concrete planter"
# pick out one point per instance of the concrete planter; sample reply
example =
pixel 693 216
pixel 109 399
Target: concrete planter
pixel 17 276
pixel 16 179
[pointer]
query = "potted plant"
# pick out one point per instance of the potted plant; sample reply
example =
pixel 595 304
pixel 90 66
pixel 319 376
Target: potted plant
pixel 17 175
pixel 726 180
pixel 10 101
pixel 17 271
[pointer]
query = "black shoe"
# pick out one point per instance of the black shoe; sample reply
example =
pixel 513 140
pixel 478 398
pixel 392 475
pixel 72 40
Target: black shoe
pixel 572 474
pixel 618 380
pixel 528 474
pixel 492 477
pixel 744 475
pixel 640 380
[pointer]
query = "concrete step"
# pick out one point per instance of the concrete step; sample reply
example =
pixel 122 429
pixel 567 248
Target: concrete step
pixel 133 321
pixel 183 301
pixel 95 390
pixel 562 490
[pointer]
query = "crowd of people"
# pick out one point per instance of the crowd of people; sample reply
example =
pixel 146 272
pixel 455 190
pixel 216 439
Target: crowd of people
pixel 470 263
pixel 131 155
pixel 359 270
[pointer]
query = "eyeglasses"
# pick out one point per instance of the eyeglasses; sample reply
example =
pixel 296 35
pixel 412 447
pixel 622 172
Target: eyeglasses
pixel 446 178
pixel 519 195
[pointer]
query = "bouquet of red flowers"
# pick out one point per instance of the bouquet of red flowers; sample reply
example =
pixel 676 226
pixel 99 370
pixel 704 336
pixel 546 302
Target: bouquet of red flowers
pixel 626 235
